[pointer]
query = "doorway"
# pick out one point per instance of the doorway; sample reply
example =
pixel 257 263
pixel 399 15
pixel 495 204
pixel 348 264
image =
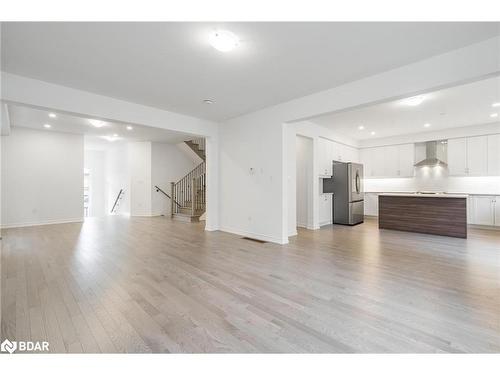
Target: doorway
pixel 304 181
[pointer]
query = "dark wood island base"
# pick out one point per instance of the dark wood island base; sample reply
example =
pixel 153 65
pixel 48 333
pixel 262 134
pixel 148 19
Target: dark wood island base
pixel 444 215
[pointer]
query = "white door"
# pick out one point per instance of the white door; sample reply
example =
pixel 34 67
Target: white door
pixel 482 210
pixel 457 157
pixel 325 209
pixel 406 159
pixel 477 156
pixel 494 155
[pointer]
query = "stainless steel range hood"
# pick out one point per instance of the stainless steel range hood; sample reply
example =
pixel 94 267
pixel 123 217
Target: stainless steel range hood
pixel 431 153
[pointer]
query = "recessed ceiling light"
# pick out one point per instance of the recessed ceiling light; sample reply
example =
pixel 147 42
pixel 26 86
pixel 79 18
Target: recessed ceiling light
pixel 115 135
pixel 52 115
pixel 413 101
pixel 372 133
pixel 361 127
pixel 47 126
pixel 208 101
pixel 223 40
pixel 494 115
pixel 496 104
pixel 427 125
pixel 110 138
pixel 129 127
pixel 97 123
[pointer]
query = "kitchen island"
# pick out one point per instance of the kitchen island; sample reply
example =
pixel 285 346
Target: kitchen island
pixel 441 214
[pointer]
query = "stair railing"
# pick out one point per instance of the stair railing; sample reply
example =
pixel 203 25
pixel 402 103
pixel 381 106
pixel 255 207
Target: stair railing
pixel 200 142
pixel 160 190
pixel 189 191
pixel 118 197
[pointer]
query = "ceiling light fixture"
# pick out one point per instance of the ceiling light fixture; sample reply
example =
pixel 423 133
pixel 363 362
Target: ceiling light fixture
pixel 361 127
pixel 413 101
pixel 494 115
pixel 129 127
pixel 497 104
pixel 97 123
pixel 52 115
pixel 115 135
pixel 372 133
pixel 47 126
pixel 208 101
pixel 223 40
pixel 427 125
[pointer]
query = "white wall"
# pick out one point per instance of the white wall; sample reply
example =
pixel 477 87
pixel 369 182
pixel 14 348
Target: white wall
pixel 117 177
pixel 139 159
pixel 42 177
pixel 95 162
pixel 304 186
pixel 169 163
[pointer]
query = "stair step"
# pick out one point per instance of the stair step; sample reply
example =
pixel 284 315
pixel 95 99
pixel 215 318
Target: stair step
pixel 187 218
pixel 187 211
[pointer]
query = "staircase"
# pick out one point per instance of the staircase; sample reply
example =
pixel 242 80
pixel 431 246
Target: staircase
pixel 188 194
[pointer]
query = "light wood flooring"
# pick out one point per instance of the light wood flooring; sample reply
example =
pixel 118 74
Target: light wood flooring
pixel 154 285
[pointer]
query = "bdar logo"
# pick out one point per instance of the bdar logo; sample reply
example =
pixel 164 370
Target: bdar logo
pixel 8 346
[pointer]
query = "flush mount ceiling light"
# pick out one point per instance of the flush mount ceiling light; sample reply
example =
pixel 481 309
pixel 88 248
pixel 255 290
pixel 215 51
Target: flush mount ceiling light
pixel 97 123
pixel 129 127
pixel 494 115
pixel 223 40
pixel 361 127
pixel 413 101
pixel 427 125
pixel 52 115
pixel 47 126
pixel 208 101
pixel 372 133
pixel 496 104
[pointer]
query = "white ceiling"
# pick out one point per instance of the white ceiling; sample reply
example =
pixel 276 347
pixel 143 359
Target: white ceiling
pixel 27 117
pixel 172 66
pixel 464 105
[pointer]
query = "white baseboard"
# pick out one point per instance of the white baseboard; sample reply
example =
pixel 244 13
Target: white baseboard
pixel 256 236
pixel 488 227
pixel 42 222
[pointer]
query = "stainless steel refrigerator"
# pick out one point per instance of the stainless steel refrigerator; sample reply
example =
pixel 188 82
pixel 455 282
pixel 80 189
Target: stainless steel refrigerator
pixel 346 185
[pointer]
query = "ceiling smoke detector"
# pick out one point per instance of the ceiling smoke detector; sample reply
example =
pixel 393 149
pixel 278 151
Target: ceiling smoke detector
pixel 208 101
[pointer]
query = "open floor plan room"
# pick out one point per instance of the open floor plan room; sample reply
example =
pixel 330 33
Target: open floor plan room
pixel 250 187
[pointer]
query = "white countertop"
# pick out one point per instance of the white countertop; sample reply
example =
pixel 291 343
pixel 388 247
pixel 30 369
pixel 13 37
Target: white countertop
pixel 438 195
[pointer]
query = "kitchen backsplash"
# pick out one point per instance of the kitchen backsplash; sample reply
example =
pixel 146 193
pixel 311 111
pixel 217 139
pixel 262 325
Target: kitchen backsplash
pixel 435 179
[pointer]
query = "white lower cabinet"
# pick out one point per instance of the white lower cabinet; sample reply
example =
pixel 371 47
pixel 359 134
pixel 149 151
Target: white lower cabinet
pixel 485 210
pixel 371 204
pixel 325 209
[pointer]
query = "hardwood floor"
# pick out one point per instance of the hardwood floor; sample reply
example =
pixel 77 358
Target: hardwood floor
pixel 155 285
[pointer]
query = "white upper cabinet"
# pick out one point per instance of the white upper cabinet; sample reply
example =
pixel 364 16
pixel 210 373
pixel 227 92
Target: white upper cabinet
pixel 468 156
pixel 325 157
pixel 389 161
pixel 406 158
pixel 457 157
pixel 477 156
pixel 494 155
pixel 328 151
